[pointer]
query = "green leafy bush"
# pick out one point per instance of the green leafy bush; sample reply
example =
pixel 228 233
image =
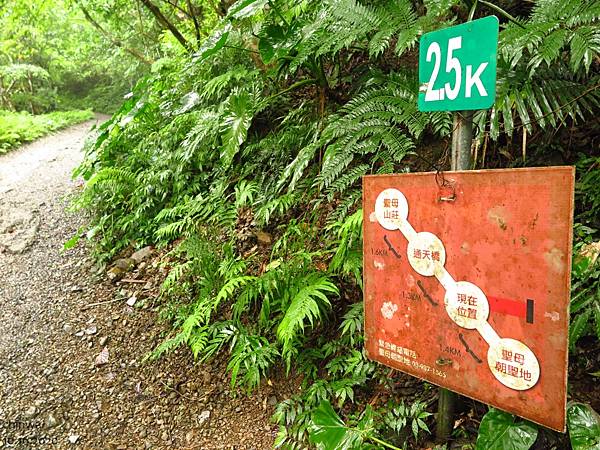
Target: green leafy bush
pixel 329 432
pixel 26 87
pixel 500 430
pixel 18 128
pixel 585 283
pixel 584 427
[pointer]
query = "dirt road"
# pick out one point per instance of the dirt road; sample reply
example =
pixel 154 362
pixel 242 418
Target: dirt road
pixel 58 313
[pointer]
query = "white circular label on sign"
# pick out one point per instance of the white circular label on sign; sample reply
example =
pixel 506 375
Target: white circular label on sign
pixel 513 364
pixel 390 208
pixel 426 253
pixel 467 305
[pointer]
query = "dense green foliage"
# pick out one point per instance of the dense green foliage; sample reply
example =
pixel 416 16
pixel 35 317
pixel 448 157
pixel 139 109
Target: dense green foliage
pixel 49 55
pixel 584 427
pixel 246 158
pixel 503 431
pixel 329 432
pixel 18 128
pixel 65 54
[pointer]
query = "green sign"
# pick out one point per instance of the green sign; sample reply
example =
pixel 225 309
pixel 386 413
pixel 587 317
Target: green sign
pixel 457 67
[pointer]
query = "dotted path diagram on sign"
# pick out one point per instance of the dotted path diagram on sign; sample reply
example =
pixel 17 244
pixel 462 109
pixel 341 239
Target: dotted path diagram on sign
pixel 510 360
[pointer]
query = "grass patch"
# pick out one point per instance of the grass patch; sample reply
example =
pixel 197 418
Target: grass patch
pixel 21 127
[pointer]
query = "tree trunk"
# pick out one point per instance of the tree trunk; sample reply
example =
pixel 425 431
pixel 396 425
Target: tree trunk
pixel 30 83
pixel 5 102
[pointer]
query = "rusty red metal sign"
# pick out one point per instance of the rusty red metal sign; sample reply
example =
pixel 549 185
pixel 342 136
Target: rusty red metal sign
pixel 467 281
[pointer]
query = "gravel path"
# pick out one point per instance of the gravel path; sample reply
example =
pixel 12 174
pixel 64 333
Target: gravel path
pixel 53 394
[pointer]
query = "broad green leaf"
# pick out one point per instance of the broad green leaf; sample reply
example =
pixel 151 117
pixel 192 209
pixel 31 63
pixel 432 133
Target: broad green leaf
pixel 245 8
pixel 272 43
pixel 577 327
pixel 329 432
pixel 596 308
pixel 327 427
pixel 273 264
pixel 580 265
pixel 238 117
pixel 581 301
pixel 188 102
pixel 584 427
pixel 213 44
pixel 139 108
pixel 500 431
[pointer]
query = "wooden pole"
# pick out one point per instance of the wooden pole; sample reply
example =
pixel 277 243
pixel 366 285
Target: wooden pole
pixel 462 136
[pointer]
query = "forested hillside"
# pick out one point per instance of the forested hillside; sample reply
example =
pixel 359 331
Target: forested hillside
pixel 55 68
pixel 52 58
pixel 240 154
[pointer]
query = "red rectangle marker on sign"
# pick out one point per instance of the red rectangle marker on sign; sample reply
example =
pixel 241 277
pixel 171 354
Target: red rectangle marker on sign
pixel 467 282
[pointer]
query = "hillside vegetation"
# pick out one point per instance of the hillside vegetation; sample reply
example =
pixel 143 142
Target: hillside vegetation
pixel 19 128
pixel 243 158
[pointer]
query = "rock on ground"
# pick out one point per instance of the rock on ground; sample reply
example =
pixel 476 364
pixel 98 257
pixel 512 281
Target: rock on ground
pixel 53 394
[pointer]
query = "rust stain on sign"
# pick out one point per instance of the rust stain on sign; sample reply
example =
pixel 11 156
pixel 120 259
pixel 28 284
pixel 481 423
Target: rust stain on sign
pixel 474 296
pixel 499 216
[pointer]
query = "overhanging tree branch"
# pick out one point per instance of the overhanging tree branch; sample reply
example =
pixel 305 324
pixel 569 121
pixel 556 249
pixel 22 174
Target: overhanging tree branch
pixel 195 20
pixel 160 17
pixel 178 8
pixel 116 42
pixel 189 13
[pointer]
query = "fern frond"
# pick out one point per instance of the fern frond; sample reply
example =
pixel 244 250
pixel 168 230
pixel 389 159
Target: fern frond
pixel 173 230
pixel 351 326
pixel 119 176
pixel 296 168
pixel 175 275
pixel 202 137
pixel 349 178
pixel 166 346
pixel 382 122
pixel 552 28
pixel 198 340
pixel 349 232
pixel 350 200
pixel 279 205
pixel 305 306
pixel 251 357
pixel 231 286
pixel 550 105
pixel 349 24
pixel 216 86
pixel 220 334
pixel 399 20
pixel 249 295
pixel 245 192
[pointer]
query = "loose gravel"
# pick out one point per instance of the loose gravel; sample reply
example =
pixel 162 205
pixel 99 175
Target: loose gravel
pixel 71 347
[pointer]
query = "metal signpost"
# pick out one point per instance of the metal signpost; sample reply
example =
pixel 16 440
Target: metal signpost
pixel 467 274
pixel 469 49
pixel 467 283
